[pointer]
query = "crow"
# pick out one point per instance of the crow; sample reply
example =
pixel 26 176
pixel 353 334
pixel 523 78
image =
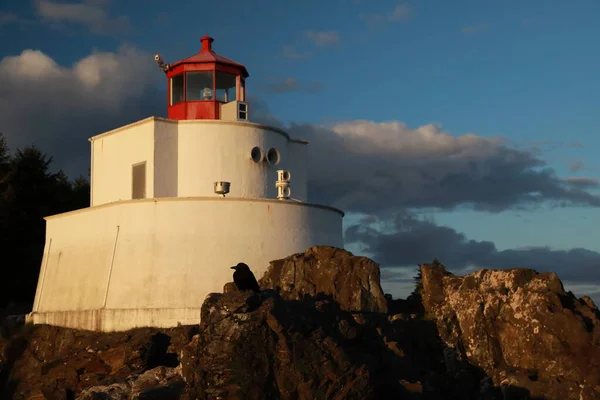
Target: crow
pixel 244 278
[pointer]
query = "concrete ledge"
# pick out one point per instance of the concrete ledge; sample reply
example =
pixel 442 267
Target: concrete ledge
pixel 107 320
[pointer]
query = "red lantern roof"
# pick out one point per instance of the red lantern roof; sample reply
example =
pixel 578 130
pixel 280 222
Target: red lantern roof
pixel 207 55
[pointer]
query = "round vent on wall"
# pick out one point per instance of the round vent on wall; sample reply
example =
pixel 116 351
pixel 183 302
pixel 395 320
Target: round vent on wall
pixel 257 154
pixel 273 156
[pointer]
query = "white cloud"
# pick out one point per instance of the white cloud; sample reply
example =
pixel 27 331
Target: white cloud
pixel 58 107
pixel 402 12
pixel 92 14
pixel 323 38
pixel 475 28
pixel 290 52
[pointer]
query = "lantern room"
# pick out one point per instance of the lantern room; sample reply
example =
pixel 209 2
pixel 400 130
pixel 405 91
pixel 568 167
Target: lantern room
pixel 206 85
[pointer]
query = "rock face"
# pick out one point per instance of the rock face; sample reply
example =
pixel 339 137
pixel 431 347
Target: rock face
pixel 520 327
pixel 271 348
pixel 353 282
pixel 58 363
pixel 319 330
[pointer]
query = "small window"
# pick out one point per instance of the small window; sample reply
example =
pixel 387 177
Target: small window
pixel 199 85
pixel 138 181
pixel 226 87
pixel 243 111
pixel 177 89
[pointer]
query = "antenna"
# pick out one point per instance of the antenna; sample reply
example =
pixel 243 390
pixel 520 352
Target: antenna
pixel 161 64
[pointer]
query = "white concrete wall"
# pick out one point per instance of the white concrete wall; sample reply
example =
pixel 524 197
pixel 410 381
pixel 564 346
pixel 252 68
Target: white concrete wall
pixel 113 158
pixel 168 255
pixel 185 158
pixel 212 151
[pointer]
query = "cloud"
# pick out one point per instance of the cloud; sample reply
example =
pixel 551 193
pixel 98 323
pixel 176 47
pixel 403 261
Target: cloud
pixel 93 14
pixel 475 28
pixel 369 167
pixel 576 166
pixel 291 84
pixel 324 38
pixel 407 240
pixel 259 112
pixel 290 52
pixel 8 18
pixel 401 12
pixel 58 107
pixel 582 182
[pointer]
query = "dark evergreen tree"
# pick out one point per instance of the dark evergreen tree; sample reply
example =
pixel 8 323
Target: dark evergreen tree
pixel 418 283
pixel 28 193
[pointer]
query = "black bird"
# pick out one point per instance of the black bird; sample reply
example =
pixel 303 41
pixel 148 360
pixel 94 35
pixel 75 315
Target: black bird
pixel 244 278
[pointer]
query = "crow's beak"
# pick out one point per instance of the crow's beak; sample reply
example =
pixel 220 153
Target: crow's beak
pixel 233 267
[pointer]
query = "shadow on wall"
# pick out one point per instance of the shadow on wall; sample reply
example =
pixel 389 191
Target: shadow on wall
pixel 166 160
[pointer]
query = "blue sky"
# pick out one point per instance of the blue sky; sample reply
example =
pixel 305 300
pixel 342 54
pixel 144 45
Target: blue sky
pixel 522 71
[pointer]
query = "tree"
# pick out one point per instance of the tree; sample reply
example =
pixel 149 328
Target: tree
pixel 418 283
pixel 4 162
pixel 28 193
pixel 437 263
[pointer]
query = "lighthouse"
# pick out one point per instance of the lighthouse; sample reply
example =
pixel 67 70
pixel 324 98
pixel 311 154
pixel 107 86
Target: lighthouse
pixel 174 203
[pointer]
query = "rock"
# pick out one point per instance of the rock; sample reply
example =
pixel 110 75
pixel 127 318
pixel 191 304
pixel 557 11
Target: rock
pixel 230 287
pixel 319 330
pixel 277 350
pixel 116 391
pixel 114 358
pixel 520 327
pixel 353 282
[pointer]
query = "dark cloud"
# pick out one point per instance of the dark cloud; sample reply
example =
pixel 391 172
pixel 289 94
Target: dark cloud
pixel 369 167
pixel 92 14
pixel 407 240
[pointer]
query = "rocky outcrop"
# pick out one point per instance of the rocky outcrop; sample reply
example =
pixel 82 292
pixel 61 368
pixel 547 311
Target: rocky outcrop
pixel 520 327
pixel 351 281
pixel 48 362
pixel 319 330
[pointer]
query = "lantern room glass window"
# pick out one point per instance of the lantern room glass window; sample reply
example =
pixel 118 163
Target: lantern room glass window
pixel 177 89
pixel 199 85
pixel 226 87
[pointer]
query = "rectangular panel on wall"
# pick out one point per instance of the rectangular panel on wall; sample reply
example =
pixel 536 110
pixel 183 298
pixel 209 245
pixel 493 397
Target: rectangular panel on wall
pixel 138 181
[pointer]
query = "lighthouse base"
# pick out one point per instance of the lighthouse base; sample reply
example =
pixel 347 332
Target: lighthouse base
pixel 107 320
pixel 151 263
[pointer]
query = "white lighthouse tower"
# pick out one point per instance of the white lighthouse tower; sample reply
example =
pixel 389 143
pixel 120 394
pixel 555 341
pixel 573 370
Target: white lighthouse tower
pixel 174 203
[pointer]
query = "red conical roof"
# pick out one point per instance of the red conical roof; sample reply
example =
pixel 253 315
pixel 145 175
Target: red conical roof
pixel 207 55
